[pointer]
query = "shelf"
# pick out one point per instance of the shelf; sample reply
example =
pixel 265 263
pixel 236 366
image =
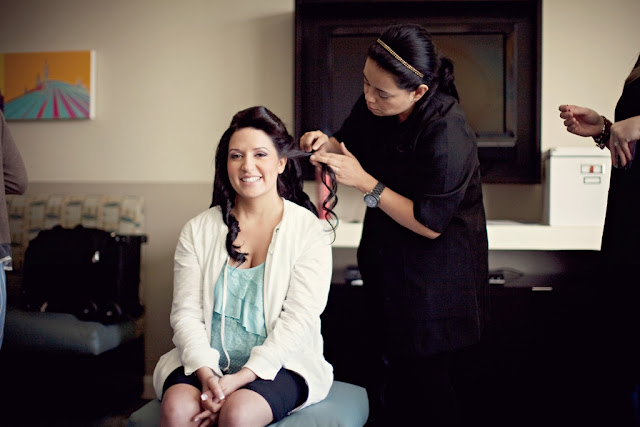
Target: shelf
pixel 508 235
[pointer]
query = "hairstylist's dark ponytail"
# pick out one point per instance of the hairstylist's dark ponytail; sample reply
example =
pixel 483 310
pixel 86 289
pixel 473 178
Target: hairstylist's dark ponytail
pixel 447 82
pixel 414 45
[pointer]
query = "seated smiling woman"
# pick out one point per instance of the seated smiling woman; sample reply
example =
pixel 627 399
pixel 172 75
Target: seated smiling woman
pixel 251 278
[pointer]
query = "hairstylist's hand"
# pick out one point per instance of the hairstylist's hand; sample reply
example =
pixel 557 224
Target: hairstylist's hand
pixel 623 140
pixel 313 140
pixel 318 141
pixel 347 169
pixel 581 121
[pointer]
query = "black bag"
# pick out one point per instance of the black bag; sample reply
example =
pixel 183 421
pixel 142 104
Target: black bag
pixel 88 272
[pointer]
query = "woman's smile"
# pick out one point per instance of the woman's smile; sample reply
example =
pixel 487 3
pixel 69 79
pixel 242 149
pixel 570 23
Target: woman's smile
pixel 250 179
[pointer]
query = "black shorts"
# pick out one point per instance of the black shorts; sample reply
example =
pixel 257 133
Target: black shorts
pixel 284 393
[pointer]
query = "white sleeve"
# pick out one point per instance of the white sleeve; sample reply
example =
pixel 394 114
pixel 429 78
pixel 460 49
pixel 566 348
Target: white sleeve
pixel 187 310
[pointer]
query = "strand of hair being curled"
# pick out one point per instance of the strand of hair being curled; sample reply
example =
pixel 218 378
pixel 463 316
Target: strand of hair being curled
pixel 330 202
pixel 330 183
pixel 328 179
pixel 290 181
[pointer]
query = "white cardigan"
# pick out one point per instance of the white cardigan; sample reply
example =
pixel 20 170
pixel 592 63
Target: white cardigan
pixel 296 286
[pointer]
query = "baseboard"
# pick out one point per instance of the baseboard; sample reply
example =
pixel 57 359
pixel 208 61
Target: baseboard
pixel 148 392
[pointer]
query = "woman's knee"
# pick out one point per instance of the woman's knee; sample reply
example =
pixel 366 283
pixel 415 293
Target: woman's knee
pixel 245 408
pixel 179 405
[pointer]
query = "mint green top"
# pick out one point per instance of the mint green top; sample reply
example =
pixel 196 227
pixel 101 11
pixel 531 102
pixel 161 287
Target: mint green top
pixel 244 325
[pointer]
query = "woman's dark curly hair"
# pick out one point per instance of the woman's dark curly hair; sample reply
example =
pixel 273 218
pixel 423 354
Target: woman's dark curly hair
pixel 290 181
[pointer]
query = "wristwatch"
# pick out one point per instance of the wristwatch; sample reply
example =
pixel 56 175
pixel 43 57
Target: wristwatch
pixel 372 198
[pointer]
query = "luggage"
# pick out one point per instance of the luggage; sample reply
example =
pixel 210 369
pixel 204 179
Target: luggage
pixel 88 272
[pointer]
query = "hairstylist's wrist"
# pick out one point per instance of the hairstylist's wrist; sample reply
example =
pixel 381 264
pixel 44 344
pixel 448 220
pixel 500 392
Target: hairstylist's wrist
pixel 367 184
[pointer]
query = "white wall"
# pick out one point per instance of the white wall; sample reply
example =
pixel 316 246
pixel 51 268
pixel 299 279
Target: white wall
pixel 588 49
pixel 171 73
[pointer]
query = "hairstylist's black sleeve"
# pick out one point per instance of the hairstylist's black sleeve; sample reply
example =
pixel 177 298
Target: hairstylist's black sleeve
pixel 447 149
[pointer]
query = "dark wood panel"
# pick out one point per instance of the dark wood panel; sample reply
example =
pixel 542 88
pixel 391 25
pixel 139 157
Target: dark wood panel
pixel 331 42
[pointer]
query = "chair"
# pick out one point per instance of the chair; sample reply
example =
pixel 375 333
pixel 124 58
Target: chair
pixel 84 367
pixel 345 406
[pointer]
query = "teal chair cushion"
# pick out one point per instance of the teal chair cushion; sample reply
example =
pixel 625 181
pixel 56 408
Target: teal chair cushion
pixel 64 333
pixel 345 406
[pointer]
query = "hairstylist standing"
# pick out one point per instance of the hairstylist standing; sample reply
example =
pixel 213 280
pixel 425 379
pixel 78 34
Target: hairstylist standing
pixel 407 147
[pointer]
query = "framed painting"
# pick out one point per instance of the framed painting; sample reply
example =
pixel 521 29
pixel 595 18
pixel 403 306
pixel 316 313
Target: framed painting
pixel 48 85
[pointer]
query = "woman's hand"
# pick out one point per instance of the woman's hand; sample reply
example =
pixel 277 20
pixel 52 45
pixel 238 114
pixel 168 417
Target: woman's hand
pixel 347 169
pixel 215 391
pixel 623 140
pixel 210 411
pixel 212 398
pixel 581 121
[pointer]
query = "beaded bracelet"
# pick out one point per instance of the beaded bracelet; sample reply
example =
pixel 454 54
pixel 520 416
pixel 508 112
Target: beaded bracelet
pixel 602 139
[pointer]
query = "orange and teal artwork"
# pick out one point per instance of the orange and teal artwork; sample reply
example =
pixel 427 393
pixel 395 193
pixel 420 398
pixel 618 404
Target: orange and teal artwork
pixel 48 85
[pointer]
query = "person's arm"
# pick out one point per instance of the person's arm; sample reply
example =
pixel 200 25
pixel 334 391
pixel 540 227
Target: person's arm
pixel 624 139
pixel 349 172
pixel 581 121
pixel 221 387
pixel 216 389
pixel 622 135
pixel 187 309
pixel 15 174
pixel 400 209
pixel 626 130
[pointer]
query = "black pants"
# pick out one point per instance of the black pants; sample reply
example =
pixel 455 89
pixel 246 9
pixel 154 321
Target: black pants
pixel 417 391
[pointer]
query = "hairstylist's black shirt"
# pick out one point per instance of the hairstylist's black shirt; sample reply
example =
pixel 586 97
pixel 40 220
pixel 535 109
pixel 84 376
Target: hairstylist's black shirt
pixel 431 291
